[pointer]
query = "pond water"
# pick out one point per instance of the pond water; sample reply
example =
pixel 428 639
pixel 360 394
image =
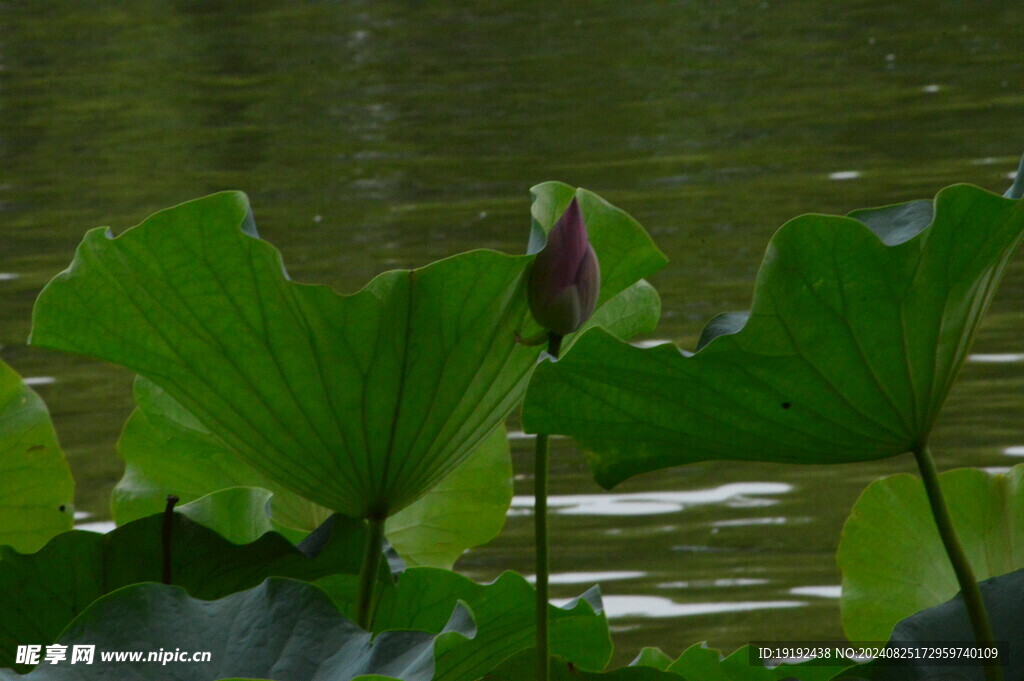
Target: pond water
pixel 376 135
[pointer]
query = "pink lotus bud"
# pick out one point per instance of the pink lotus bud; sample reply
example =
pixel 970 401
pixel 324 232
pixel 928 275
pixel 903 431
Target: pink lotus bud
pixel 565 278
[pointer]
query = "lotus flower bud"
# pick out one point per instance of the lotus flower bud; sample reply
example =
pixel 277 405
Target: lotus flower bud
pixel 565 278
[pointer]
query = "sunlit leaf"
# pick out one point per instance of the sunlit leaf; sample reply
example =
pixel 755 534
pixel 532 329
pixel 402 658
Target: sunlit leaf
pixel 892 557
pixel 858 328
pixel 167 451
pixel 466 509
pixel 239 514
pixel 36 488
pixel 359 403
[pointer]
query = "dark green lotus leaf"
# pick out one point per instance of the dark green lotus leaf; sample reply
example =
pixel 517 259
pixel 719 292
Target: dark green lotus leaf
pixel 891 555
pixel 652 657
pixel 524 666
pixel 168 451
pixel 858 327
pixel 40 593
pixel 949 622
pixel 707 664
pixel 360 403
pixel 282 630
pixel 697 663
pixel 36 488
pixel 505 619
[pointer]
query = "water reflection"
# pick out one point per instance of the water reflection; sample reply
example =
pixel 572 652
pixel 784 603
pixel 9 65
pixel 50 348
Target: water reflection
pixel 746 522
pixel 658 607
pixel 589 577
pixel 99 526
pixel 997 358
pixel 723 583
pixel 829 591
pixel 734 495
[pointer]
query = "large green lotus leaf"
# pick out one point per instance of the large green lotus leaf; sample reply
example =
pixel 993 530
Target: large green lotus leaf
pixel 282 630
pixel 168 451
pixel 652 657
pixel 40 593
pixel 466 509
pixel 892 557
pixel 36 488
pixel 505 619
pixel 360 403
pixel 948 622
pixel 239 514
pixel 858 327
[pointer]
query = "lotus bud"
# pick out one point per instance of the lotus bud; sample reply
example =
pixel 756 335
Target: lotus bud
pixel 565 278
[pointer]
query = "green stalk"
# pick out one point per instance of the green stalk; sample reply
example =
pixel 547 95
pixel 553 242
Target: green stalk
pixel 540 525
pixel 368 573
pixel 961 566
pixel 165 538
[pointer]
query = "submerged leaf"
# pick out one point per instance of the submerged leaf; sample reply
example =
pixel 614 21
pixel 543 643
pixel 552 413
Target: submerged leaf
pixel 858 328
pixel 360 403
pixel 36 488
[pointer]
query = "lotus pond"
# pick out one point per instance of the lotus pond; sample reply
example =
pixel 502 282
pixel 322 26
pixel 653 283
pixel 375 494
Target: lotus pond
pixel 369 139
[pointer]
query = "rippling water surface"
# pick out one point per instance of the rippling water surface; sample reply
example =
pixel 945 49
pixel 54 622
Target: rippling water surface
pixel 378 135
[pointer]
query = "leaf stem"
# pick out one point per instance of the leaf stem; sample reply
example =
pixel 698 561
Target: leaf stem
pixel 540 525
pixel 961 565
pixel 165 538
pixel 372 555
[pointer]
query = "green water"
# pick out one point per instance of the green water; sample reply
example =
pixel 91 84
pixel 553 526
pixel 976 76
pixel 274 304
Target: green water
pixel 375 135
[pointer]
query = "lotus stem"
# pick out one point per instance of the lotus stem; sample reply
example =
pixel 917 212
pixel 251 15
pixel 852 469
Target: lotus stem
pixel 368 573
pixel 540 525
pixel 165 538
pixel 961 565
